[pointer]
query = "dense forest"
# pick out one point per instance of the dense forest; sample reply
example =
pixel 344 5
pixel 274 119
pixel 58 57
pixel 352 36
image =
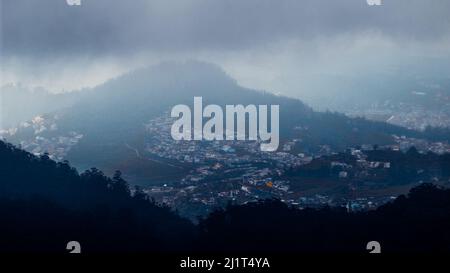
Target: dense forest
pixel 44 204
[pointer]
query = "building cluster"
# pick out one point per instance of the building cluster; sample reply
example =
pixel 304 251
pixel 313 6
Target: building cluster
pixel 40 136
pixel 405 143
pixel 238 172
pixel 409 115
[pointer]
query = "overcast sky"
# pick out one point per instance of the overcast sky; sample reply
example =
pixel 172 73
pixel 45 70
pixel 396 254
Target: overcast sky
pixel 265 44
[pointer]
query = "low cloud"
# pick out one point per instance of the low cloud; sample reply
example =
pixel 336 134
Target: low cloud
pixel 260 42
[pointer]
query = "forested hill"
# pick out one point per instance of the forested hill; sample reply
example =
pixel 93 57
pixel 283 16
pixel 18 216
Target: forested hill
pixel 45 204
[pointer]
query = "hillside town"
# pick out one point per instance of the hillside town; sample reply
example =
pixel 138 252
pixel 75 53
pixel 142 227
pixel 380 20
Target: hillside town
pixel 220 172
pixel 238 172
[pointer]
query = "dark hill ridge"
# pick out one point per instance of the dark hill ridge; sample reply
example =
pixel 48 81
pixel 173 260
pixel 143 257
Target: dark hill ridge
pixel 45 204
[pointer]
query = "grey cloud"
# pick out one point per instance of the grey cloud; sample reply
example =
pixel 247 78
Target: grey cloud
pixel 52 28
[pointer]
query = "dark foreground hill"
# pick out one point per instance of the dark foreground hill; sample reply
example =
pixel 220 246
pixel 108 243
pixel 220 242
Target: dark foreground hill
pixel 44 205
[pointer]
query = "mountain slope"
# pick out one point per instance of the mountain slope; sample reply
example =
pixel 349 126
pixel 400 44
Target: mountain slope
pixel 111 118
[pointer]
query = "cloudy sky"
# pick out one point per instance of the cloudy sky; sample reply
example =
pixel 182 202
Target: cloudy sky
pixel 283 46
